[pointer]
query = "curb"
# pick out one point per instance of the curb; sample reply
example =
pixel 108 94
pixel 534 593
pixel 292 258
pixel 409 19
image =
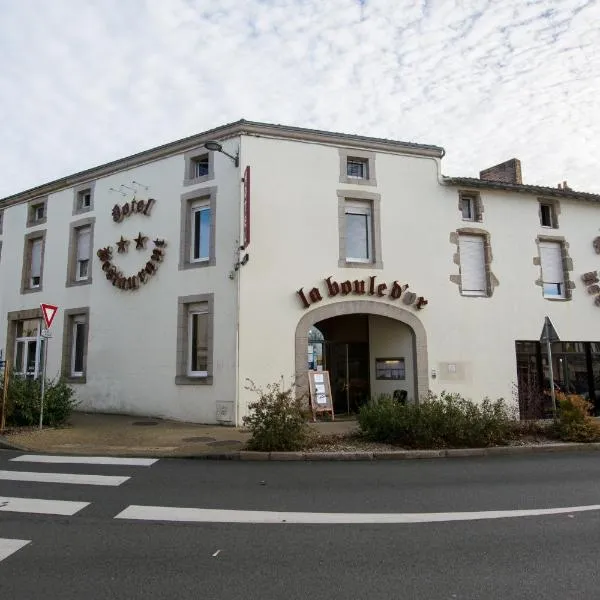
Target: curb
pixel 349 456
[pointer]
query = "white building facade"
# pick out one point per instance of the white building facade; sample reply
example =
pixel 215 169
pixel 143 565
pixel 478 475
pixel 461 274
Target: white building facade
pixel 183 272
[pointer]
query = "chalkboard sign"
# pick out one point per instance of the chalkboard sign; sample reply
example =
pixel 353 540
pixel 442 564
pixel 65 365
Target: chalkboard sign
pixel 320 393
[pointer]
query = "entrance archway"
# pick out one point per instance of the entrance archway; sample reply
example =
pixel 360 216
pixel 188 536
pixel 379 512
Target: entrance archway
pixel 320 314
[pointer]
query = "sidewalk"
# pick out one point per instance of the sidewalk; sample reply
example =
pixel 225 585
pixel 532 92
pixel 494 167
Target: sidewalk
pixel 102 434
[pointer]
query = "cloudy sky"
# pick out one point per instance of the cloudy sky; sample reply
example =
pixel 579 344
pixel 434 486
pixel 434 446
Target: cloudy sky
pixel 84 82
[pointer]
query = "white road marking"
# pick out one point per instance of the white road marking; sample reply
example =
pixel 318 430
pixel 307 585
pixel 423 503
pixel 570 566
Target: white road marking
pixel 208 515
pixel 8 547
pixel 41 507
pixel 86 460
pixel 216 553
pixel 74 478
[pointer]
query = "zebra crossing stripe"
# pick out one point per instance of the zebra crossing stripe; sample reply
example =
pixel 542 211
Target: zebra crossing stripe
pixel 41 507
pixel 74 478
pixel 8 547
pixel 86 460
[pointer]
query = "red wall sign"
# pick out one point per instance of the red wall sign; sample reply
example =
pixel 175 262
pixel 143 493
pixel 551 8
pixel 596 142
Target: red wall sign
pixel 246 208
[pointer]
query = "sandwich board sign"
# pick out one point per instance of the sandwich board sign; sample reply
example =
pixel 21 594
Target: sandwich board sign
pixel 320 393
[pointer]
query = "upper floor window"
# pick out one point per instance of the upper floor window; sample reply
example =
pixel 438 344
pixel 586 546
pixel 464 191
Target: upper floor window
pixel 359 232
pixel 470 206
pixel 357 167
pixel 79 262
pixel 548 213
pixel 33 262
pixel 201 226
pixel 198 166
pixel 553 274
pixel 467 208
pixel 83 198
pixel 36 212
pixel 84 235
pixel 473 267
pixel 1 220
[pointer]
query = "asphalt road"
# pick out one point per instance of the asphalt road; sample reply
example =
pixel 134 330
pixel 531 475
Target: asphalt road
pixel 93 555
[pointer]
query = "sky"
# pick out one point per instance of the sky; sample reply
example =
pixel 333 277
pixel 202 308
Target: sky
pixel 84 82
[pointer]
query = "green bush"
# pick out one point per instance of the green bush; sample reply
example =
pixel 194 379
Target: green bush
pixel 277 421
pixel 23 406
pixel 447 421
pixel 574 423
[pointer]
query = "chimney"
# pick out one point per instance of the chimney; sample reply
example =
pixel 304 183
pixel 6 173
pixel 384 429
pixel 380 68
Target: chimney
pixel 506 172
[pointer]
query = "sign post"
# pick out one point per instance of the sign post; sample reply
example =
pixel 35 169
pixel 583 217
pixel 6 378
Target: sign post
pixel 48 312
pixel 549 335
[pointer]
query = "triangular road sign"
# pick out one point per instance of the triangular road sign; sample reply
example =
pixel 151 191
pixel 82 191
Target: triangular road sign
pixel 48 312
pixel 548 327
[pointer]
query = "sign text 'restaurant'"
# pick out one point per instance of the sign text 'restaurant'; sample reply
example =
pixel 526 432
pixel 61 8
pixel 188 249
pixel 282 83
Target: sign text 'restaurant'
pixel 362 288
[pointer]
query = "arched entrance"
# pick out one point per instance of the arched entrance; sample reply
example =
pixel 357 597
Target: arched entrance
pixel 370 346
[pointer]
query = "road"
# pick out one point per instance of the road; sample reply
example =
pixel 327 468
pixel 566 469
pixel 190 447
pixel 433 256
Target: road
pixel 126 531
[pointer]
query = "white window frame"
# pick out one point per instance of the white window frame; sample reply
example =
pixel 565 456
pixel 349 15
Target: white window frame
pixel 354 207
pixel 35 243
pixel 198 207
pixel 464 238
pixel 77 320
pixel 79 261
pixel 81 199
pixel 25 340
pixel 194 164
pixel 562 284
pixel 365 167
pixel 469 202
pixel 195 309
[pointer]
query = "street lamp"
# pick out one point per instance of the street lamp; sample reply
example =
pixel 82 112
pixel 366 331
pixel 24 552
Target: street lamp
pixel 217 147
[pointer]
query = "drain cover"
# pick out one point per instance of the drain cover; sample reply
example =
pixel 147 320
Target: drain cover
pixel 145 423
pixel 198 439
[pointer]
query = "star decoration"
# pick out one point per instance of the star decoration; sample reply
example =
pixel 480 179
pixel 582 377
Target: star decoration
pixel 140 241
pixel 105 254
pixel 123 245
pixel 160 243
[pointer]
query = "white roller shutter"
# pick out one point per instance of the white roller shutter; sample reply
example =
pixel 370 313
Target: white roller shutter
pixel 36 258
pixel 552 265
pixel 83 243
pixel 472 265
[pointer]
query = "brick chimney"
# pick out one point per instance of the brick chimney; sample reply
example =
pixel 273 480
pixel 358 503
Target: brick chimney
pixel 506 172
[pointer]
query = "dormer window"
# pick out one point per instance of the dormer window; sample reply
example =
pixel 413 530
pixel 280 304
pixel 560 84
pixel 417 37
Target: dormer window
pixel 357 168
pixel 199 166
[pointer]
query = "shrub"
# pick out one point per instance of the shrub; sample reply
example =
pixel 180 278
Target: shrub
pixel 447 421
pixel 278 420
pixel 24 395
pixel 574 423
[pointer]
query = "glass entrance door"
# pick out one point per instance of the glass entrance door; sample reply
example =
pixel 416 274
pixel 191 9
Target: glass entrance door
pixel 348 365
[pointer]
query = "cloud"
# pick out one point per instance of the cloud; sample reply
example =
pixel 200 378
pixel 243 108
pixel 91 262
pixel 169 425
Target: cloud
pixel 88 81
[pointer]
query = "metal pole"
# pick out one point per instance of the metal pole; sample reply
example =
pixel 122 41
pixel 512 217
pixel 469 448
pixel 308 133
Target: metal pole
pixel 43 381
pixel 549 348
pixel 347 381
pixel 4 396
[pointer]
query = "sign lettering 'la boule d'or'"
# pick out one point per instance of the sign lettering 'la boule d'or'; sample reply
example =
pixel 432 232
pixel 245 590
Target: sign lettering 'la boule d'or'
pixel 363 287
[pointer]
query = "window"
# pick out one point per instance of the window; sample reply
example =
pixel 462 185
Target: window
pixel 359 230
pixel 75 344
pixel 548 212
pixel 553 276
pixel 79 262
pixel 197 240
pixel 195 339
pixel 29 348
pixel 390 368
pixel 467 208
pixel 473 271
pixel 33 262
pixel 201 218
pixel 84 235
pixel 83 198
pixel 1 220
pixel 357 167
pixel 199 166
pixel 36 212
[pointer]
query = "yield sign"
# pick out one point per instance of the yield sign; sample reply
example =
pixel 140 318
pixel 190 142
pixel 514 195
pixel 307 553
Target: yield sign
pixel 48 312
pixel 548 332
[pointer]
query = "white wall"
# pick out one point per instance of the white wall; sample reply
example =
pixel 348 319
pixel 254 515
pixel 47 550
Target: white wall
pixel 470 341
pixel 131 362
pixel 389 338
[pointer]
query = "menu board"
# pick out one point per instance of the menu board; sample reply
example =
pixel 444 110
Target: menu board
pixel 320 393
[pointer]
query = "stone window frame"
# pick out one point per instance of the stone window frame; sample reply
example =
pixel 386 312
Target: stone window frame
pixel 567 264
pixel 183 304
pixel 71 280
pixel 31 205
pixel 185 221
pixel 25 271
pixel 0 251
pixel 491 280
pixel 349 153
pixel 77 190
pixel 12 318
pixel 67 343
pixel 188 159
pixel 345 196
pixel 478 208
pixel 1 219
pixel 554 204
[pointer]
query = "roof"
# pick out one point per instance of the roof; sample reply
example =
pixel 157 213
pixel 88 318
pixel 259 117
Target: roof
pixel 538 190
pixel 223 132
